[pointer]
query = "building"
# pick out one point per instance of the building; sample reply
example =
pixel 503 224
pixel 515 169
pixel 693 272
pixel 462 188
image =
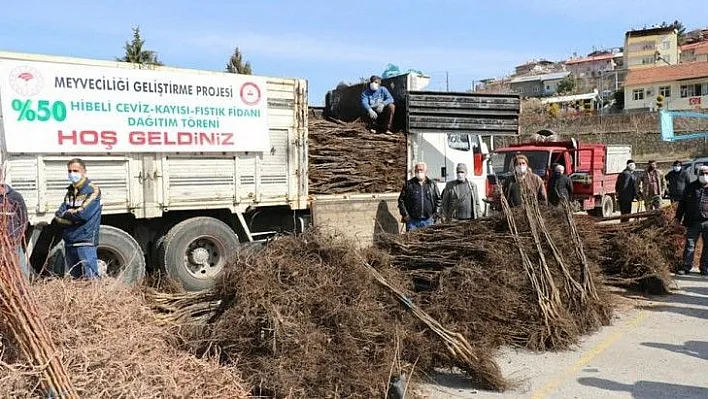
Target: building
pixel 694 52
pixel 647 48
pixel 683 86
pixel 593 66
pixel 493 85
pixel 537 85
pixel 536 66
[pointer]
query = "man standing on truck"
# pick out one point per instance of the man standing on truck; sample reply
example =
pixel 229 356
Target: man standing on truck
pixel 524 180
pixel 652 186
pixel 626 189
pixel 677 181
pixel 80 217
pixel 692 212
pixel 559 186
pixel 419 201
pixel 14 214
pixel 378 105
pixel 460 198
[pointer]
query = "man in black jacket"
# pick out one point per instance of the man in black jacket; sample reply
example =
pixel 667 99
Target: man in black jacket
pixel 419 201
pixel 692 212
pixel 677 181
pixel 14 214
pixel 559 186
pixel 626 189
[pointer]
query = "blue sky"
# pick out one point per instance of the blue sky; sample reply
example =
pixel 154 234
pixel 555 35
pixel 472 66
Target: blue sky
pixel 328 42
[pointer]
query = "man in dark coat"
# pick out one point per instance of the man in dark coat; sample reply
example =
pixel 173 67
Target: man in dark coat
pixel 677 181
pixel 14 213
pixel 626 189
pixel 419 201
pixel 559 186
pixel 692 212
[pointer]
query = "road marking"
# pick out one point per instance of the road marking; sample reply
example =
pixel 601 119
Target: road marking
pixel 589 356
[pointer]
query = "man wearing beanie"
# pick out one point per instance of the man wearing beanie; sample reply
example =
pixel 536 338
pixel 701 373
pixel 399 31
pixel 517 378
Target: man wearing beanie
pixel 523 181
pixel 626 189
pixel 460 198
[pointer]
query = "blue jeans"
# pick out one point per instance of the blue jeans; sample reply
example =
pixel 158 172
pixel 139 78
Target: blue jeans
pixel 81 261
pixel 414 224
pixel 699 229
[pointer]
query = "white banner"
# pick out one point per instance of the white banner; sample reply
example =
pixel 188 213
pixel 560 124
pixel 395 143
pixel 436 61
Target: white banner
pixel 53 108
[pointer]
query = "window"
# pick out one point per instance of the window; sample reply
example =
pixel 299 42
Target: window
pixel 458 141
pixel 638 94
pixel 665 91
pixel 648 60
pixel 692 90
pixel 548 87
pixel 666 45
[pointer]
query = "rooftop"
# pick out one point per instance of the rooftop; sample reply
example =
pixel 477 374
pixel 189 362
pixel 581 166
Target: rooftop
pixel 602 57
pixel 650 31
pixel 668 73
pixel 698 47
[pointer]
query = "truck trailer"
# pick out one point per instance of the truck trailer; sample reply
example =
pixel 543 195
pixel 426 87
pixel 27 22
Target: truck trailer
pixel 192 165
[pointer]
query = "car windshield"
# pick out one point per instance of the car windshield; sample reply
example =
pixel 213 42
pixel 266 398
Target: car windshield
pixel 503 162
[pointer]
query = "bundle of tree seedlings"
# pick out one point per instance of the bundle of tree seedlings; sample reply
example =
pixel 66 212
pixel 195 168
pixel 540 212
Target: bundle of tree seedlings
pixel 348 158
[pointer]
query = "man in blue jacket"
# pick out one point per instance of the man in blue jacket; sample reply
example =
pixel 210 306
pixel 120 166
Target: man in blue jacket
pixel 378 105
pixel 80 217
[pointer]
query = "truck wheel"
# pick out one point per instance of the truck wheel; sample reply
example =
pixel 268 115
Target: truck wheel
pixel 119 256
pixel 196 250
pixel 606 209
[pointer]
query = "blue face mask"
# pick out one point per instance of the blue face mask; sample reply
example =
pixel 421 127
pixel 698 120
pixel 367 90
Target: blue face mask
pixel 74 177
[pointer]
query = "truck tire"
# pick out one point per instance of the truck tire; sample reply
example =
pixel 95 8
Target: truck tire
pixel 195 251
pixel 119 256
pixel 606 209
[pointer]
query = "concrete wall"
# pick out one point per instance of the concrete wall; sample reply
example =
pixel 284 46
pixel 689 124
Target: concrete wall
pixel 641 131
pixel 360 218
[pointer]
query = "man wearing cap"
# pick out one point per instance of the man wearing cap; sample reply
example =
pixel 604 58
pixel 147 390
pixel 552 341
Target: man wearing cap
pixel 652 186
pixel 559 186
pixel 378 106
pixel 677 181
pixel 524 180
pixel 626 189
pixel 692 212
pixel 460 199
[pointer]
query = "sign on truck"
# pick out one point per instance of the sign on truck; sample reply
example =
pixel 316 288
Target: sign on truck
pixel 63 108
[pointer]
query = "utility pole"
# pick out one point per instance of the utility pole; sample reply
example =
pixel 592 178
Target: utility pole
pixel 447 81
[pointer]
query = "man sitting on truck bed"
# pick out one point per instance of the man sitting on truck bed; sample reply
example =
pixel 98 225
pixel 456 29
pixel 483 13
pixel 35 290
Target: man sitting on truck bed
pixel 377 101
pixel 419 201
pixel 523 180
pixel 80 216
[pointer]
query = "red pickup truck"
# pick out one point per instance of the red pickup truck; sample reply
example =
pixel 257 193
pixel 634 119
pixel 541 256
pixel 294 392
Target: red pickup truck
pixel 593 169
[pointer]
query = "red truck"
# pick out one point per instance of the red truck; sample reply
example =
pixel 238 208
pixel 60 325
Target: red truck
pixel 593 169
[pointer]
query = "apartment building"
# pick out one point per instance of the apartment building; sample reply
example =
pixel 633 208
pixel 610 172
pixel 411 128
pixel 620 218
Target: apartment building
pixel 694 52
pixel 648 48
pixel 683 86
pixel 537 85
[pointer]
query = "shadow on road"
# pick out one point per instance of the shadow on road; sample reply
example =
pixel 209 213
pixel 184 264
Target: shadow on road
pixel 647 389
pixel 697 349
pixel 691 312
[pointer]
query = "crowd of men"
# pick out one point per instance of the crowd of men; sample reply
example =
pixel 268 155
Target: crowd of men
pixel 421 204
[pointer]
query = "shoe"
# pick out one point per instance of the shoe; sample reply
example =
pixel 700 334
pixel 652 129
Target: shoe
pixel 682 272
pixel 372 131
pixel 389 132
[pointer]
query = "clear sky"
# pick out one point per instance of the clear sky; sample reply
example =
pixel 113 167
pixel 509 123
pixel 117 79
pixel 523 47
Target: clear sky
pixel 331 41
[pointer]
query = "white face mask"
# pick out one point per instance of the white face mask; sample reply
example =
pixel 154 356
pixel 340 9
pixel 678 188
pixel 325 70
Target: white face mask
pixel 521 169
pixel 461 176
pixel 703 179
pixel 677 168
pixel 74 177
pixel 632 166
pixel 420 176
pixel 374 86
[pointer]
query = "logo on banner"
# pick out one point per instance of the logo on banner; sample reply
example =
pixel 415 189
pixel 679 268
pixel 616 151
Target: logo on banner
pixel 250 93
pixel 26 81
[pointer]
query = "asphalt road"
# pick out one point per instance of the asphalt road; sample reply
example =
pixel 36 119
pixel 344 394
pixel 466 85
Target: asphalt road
pixel 656 348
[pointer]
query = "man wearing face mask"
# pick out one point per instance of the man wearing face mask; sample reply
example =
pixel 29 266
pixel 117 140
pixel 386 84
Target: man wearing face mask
pixel 460 198
pixel 652 186
pixel 692 212
pixel 523 181
pixel 626 189
pixel 559 186
pixel 378 105
pixel 419 200
pixel 677 181
pixel 80 217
